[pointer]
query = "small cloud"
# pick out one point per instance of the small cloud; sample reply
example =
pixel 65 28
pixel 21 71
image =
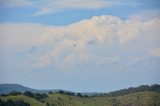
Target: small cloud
pixel 44 11
pixel 16 3
pixel 43 62
pixel 146 15
pixel 91 42
pixel 155 52
pixel 60 5
pixel 31 50
pixel 54 6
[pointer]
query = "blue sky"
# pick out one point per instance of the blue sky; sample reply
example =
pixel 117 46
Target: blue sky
pixel 80 45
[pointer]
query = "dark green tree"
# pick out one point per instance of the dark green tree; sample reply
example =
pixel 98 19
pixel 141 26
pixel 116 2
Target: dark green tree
pixel 14 93
pixel 29 94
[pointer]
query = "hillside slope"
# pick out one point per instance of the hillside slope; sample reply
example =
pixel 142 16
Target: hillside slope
pixel 7 88
pixel 31 101
pixel 135 99
pixel 56 99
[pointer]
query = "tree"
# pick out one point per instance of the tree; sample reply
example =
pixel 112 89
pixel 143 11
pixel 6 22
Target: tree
pixel 50 92
pixel 2 103
pixel 61 92
pixel 79 94
pixel 21 103
pixel 14 93
pixel 47 104
pixel 39 96
pixel 13 103
pixel 29 94
pixel 4 94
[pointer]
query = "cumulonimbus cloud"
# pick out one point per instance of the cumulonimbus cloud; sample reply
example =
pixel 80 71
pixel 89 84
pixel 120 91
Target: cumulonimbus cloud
pixel 99 30
pixel 75 43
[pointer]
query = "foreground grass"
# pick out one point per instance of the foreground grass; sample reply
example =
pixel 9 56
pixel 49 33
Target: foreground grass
pixel 56 99
pixel 135 99
pixel 29 100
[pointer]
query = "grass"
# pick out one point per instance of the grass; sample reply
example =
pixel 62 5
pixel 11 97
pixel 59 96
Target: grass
pixel 29 100
pixel 56 99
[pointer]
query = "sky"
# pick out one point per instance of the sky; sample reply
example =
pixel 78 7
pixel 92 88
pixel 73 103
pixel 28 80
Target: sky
pixel 80 45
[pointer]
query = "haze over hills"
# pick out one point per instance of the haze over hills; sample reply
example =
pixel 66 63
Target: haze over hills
pixel 7 88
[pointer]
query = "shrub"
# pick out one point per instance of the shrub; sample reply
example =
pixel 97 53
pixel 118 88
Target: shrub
pixel 13 103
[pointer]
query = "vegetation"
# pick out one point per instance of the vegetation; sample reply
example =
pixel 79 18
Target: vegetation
pixel 38 96
pixel 14 93
pixel 31 101
pixel 152 88
pixel 140 96
pixel 66 92
pixel 13 103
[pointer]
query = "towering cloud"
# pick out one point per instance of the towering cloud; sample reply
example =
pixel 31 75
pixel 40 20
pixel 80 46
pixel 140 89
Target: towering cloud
pixel 76 43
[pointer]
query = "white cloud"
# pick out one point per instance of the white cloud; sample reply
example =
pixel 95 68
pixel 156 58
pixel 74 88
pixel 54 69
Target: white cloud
pixel 146 15
pixel 155 52
pixel 15 3
pixel 71 60
pixel 44 61
pixel 53 6
pixel 75 43
pixel 21 35
pixel 118 60
pixel 101 30
pixel 60 5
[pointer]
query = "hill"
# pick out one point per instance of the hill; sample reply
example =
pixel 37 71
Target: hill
pixel 31 101
pixel 7 88
pixel 135 99
pixel 57 99
pixel 138 96
pixel 152 88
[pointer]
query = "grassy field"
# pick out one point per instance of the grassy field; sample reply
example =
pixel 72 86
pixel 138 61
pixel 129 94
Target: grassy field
pixel 29 100
pixel 56 99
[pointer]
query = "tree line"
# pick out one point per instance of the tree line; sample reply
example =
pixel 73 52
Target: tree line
pixel 38 96
pixel 13 103
pixel 152 88
pixel 41 96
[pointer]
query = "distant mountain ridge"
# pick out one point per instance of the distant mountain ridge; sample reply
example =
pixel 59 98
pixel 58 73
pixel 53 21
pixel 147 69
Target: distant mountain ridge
pixel 7 88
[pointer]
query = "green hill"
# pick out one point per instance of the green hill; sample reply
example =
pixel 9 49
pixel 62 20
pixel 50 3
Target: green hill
pixel 31 101
pixel 6 88
pixel 135 99
pixel 134 96
pixel 151 88
pixel 56 99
